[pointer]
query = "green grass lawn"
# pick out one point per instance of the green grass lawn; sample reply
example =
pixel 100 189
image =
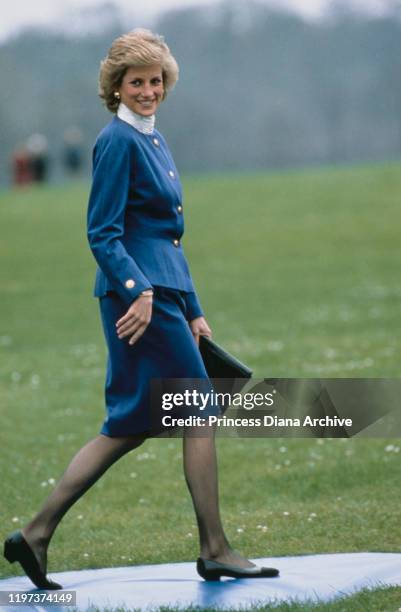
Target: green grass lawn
pixel 299 276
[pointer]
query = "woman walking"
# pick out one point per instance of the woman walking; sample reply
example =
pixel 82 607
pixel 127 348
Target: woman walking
pixel 151 316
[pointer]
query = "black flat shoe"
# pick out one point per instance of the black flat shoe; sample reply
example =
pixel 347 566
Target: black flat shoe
pixel 16 548
pixel 212 570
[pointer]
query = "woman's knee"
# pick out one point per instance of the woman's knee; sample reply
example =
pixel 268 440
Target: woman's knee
pixel 132 442
pixel 126 443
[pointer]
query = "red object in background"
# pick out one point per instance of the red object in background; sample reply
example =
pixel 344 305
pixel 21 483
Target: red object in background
pixel 22 172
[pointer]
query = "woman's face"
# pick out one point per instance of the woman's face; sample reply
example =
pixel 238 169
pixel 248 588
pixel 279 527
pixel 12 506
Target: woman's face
pixel 142 89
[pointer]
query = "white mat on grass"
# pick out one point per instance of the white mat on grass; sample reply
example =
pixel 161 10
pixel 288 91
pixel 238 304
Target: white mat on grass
pixel 309 577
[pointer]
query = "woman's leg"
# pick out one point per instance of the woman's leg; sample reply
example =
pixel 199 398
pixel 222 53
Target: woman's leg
pixel 200 468
pixel 86 467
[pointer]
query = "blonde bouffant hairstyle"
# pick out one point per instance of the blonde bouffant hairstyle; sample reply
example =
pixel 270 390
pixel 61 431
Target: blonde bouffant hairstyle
pixel 137 48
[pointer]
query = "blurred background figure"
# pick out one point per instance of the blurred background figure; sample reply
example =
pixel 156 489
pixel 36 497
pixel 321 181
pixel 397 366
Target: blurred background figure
pixel 73 151
pixel 21 166
pixel 37 147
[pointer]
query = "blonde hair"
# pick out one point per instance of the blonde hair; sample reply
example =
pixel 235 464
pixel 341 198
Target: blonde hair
pixel 137 48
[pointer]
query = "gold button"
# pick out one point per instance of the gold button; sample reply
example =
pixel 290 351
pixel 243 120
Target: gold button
pixel 176 242
pixel 130 283
pixel 171 173
pixel 156 142
pixel 179 208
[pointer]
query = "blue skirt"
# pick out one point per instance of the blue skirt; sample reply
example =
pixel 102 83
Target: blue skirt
pixel 167 349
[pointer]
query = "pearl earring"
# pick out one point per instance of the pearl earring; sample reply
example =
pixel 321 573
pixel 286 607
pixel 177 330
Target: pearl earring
pixel 117 95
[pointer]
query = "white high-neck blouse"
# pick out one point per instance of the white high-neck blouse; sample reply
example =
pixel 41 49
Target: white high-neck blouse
pixel 143 124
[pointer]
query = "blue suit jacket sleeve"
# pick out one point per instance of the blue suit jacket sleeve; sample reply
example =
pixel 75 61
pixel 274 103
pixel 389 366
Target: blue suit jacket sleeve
pixel 193 307
pixel 112 170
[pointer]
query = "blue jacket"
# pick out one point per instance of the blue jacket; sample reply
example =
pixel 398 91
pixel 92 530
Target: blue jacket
pixel 135 216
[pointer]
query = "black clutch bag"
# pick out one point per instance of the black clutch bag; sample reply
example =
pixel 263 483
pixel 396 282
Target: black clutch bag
pixel 228 373
pixel 219 363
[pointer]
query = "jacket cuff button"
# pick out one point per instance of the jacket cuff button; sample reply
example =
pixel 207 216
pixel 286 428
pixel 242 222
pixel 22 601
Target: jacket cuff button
pixel 130 283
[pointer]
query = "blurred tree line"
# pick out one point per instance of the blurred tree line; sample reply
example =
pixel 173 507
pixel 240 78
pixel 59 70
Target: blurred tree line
pixel 258 88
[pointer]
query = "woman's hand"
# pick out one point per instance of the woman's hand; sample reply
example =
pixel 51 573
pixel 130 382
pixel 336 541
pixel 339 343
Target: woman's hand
pixel 199 327
pixel 136 319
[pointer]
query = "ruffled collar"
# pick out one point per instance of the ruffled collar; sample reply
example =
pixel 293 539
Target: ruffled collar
pixel 143 124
